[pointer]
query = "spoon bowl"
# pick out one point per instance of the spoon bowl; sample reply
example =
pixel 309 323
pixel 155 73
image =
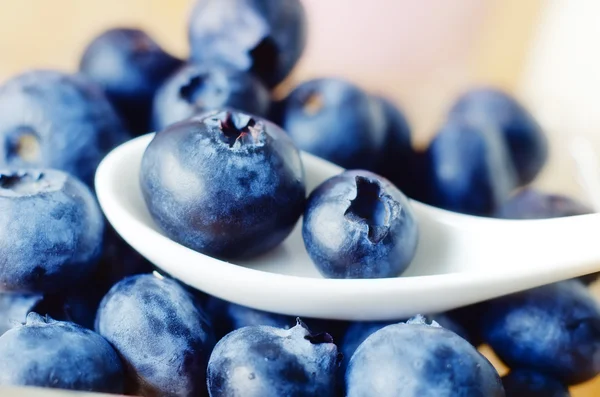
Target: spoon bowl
pixel 460 259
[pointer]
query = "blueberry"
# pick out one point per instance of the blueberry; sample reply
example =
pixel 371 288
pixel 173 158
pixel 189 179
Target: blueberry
pixel 358 225
pixel 50 119
pixel 60 355
pixel 533 204
pixel 404 166
pixel 51 231
pixel 130 66
pixel 527 144
pixel 226 184
pixel 359 331
pixel 266 361
pixel 227 317
pixel 417 359
pixel 469 169
pixel 198 88
pixel 161 333
pixel 553 329
pixel 335 120
pixel 526 383
pixel 14 308
pixel 80 303
pixel 398 154
pixel 264 37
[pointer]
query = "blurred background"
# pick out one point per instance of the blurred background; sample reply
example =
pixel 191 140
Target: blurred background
pixel 421 54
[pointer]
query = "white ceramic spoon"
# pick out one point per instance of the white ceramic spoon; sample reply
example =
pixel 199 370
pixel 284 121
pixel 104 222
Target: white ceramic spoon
pixel 460 260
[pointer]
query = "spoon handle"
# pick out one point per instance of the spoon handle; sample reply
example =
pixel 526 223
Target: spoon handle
pixel 452 243
pixel 588 171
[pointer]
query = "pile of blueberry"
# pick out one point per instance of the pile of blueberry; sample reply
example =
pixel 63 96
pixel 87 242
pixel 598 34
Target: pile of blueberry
pixel 80 310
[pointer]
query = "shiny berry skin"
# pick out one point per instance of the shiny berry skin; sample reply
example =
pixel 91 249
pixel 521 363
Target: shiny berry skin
pixel 226 184
pixel 263 37
pixel 194 89
pixel 335 120
pixel 358 225
pixel 494 108
pixel 130 66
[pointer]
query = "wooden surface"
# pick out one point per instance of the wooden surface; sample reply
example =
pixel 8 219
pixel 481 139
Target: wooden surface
pixel 419 53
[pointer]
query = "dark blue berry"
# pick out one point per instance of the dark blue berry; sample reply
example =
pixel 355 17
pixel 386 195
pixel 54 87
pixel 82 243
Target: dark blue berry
pixel 553 329
pixel 335 120
pixel 197 88
pixel 60 355
pixel 399 163
pixel 264 37
pixel 225 184
pixel 130 66
pixel 50 119
pixel 415 359
pixel 469 169
pixel 526 383
pixel 161 333
pixel 527 144
pixel 358 225
pixel 51 231
pixel 263 361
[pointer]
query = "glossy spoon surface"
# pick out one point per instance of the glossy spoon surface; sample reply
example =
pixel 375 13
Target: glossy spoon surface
pixel 460 260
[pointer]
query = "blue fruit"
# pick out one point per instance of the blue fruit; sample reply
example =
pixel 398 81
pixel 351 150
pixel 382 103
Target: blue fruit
pixel 532 204
pixel 161 333
pixel 14 308
pixel 264 37
pixel 527 144
pixel 358 225
pixel 525 383
pixel 417 359
pixel 398 163
pixel 225 184
pixel 227 317
pixel 60 355
pixel 130 66
pixel 265 361
pixel 51 231
pixel 469 169
pixel 198 88
pixel 553 329
pixel 359 331
pixel 335 120
pixel 80 303
pixel 50 119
